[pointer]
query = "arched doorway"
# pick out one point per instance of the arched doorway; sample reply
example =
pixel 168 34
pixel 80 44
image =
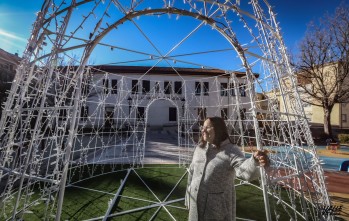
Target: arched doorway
pixel 162 140
pixel 162 113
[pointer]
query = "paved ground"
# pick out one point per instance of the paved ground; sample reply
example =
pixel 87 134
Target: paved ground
pixel 161 147
pixel 337 187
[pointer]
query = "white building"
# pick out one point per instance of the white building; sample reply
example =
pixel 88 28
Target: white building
pixel 160 96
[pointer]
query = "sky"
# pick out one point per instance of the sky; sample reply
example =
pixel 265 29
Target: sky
pixel 17 17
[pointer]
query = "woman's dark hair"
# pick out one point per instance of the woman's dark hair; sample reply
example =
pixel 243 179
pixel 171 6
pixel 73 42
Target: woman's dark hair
pixel 220 132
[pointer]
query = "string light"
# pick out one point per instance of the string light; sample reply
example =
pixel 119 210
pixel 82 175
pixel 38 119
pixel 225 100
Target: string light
pixel 87 116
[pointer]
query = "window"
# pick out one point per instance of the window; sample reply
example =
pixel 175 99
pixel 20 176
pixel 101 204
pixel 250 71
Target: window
pixel 172 114
pixel 243 90
pixel 202 114
pixel 105 85
pixel 85 88
pixel 224 91
pixel 167 87
pixel 84 113
pixel 224 113
pixel 108 117
pixel 134 86
pixel 178 87
pixel 243 114
pixel 197 88
pixel 62 114
pixel 157 87
pixel 206 88
pixel 145 86
pixel 232 89
pixel 114 86
pixel 344 118
pixel 140 113
pixel 201 87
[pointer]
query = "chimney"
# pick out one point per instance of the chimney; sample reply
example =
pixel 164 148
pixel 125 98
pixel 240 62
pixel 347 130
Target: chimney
pixel 16 54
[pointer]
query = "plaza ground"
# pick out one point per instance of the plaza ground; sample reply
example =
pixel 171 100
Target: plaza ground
pixel 338 181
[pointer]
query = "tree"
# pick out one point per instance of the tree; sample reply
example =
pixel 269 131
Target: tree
pixel 323 63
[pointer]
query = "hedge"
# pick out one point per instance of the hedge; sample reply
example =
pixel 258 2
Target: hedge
pixel 343 138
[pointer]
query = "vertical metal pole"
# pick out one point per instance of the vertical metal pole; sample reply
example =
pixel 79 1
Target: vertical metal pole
pixel 258 142
pixel 186 136
pixel 31 144
pixel 237 95
pixel 252 95
pixel 70 140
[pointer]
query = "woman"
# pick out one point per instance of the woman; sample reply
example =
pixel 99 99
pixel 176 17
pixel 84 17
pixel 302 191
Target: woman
pixel 216 162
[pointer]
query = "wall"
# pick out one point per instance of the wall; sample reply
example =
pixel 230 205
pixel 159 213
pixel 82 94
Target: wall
pixel 159 110
pixel 345 111
pixel 318 115
pixel 158 114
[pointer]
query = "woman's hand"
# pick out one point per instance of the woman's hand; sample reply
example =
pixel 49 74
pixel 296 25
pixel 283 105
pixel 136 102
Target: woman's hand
pixel 261 156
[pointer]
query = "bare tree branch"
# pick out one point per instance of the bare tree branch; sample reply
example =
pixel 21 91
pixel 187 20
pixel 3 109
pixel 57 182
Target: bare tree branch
pixel 323 63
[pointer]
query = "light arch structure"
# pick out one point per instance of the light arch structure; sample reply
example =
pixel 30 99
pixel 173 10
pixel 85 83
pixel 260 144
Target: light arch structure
pixel 72 104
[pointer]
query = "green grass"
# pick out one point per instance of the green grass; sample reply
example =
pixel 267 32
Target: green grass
pixel 92 198
pixel 80 204
pixel 250 204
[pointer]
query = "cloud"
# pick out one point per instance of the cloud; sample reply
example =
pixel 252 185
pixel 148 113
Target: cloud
pixel 11 43
pixel 7 34
pixel 8 42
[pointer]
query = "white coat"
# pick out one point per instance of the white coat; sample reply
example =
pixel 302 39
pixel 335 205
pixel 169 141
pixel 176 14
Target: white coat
pixel 210 191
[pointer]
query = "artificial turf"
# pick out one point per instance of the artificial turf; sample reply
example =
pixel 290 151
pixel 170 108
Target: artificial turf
pixel 144 187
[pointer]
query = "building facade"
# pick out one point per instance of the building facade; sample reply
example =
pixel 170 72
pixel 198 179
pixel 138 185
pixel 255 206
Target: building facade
pixel 8 61
pixel 317 85
pixel 339 115
pixel 325 80
pixel 8 65
pixel 160 96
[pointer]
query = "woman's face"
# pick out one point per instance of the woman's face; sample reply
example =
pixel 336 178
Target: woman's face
pixel 208 131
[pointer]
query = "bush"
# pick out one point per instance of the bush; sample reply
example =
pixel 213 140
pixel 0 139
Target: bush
pixel 343 138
